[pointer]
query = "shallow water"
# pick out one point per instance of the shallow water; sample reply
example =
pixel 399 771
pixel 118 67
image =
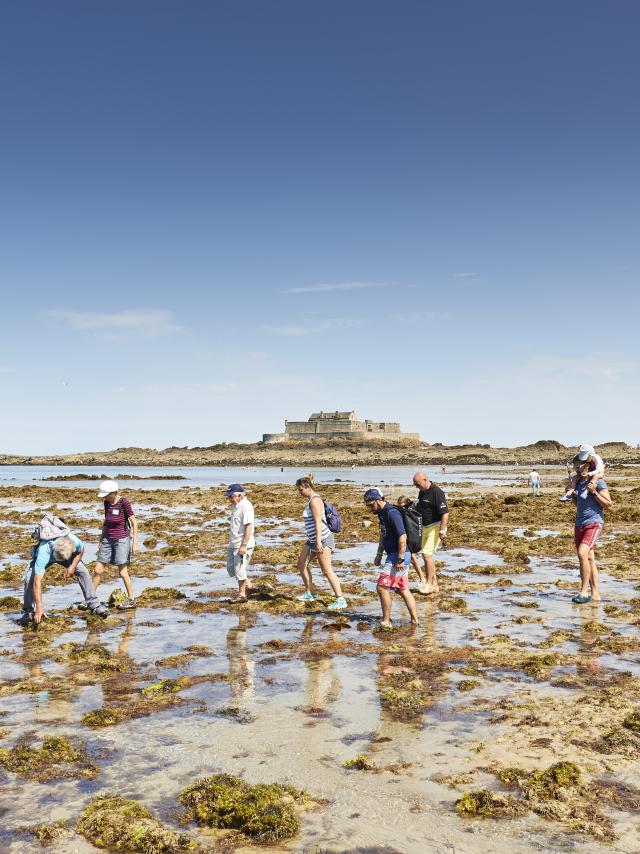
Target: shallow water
pixel 307 716
pixel 208 476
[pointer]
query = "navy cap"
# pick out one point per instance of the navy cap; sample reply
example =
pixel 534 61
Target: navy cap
pixel 234 487
pixel 373 494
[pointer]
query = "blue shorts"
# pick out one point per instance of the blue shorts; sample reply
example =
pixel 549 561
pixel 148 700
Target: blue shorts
pixel 115 552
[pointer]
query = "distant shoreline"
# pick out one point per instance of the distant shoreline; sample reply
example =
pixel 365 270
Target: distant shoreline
pixel 339 453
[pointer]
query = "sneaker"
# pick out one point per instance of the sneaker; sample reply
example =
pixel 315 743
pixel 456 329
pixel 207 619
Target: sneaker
pixel 307 597
pixel 24 620
pixel 127 605
pixel 423 587
pixel 338 604
pixel 100 611
pixel 565 498
pixel 82 606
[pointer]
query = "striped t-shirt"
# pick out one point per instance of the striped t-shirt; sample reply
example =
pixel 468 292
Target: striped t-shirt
pixel 310 523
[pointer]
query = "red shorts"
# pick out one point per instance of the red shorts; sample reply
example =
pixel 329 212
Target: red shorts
pixel 393 582
pixel 588 535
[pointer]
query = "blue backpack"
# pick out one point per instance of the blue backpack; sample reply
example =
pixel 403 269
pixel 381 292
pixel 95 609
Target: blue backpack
pixel 331 514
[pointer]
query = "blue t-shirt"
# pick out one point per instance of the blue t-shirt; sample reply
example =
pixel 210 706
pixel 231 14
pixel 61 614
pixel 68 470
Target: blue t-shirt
pixel 43 556
pixel 391 527
pixel 588 510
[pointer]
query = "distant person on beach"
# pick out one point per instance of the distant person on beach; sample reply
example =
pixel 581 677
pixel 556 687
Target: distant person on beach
pixel 55 544
pixel 586 454
pixel 319 544
pixel 119 539
pixel 432 503
pixel 590 506
pixel 394 573
pixel 534 481
pixel 241 539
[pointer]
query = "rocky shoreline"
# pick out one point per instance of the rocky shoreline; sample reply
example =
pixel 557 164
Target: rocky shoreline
pixel 332 453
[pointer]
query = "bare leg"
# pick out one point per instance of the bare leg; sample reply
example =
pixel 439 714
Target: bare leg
pixel 98 569
pixel 410 602
pixel 430 567
pixel 124 575
pixel 303 568
pixel 324 559
pixel 415 563
pixel 385 603
pixel 585 569
pixel 593 577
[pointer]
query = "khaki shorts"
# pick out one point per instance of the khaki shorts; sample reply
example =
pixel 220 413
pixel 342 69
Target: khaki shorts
pixel 430 539
pixel 237 564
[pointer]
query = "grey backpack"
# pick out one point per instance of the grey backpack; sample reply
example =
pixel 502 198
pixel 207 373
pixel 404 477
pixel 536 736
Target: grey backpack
pixel 50 527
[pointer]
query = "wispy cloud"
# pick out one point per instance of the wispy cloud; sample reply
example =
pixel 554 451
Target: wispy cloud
pixel 339 286
pixel 465 275
pixel 313 326
pixel 416 317
pixel 143 321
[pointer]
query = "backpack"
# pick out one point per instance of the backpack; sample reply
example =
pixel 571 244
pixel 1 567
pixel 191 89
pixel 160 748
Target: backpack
pixel 332 515
pixel 412 519
pixel 50 527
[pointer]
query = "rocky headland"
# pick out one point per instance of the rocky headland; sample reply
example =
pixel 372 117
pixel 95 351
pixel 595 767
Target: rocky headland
pixel 332 452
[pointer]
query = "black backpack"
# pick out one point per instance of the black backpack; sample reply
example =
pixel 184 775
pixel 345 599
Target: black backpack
pixel 413 526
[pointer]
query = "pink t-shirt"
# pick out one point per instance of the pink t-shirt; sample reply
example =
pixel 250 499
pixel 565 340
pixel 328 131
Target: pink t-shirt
pixel 115 519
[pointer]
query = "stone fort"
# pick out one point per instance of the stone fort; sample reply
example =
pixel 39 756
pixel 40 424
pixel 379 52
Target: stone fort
pixel 340 425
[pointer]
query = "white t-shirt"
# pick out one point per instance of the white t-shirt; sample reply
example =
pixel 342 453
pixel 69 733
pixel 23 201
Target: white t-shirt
pixel 241 516
pixel 534 477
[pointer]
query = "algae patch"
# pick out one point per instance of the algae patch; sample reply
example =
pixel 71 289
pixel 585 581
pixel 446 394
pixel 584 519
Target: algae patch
pixel 266 812
pixel 55 759
pixel 113 822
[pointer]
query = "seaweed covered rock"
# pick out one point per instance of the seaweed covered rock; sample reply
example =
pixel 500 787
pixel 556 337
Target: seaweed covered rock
pixel 159 594
pixel 632 721
pixel 118 824
pixel 55 759
pixel 488 804
pixel 265 812
pixel 10 603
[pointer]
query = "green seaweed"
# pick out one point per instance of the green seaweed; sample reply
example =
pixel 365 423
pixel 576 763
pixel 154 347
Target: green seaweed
pixel 546 784
pixel 467 684
pixel 116 823
pixel 263 811
pixel 10 603
pixel 361 763
pixel 159 594
pixel 47 834
pixel 489 805
pixel 57 758
pixel 632 721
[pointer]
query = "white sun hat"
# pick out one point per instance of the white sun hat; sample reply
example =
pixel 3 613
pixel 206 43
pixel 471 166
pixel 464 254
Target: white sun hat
pixel 106 487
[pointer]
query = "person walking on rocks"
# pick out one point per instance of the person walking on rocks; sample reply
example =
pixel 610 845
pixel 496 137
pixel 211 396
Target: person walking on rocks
pixel 432 503
pixel 534 482
pixel 319 544
pixel 56 544
pixel 394 573
pixel 241 539
pixel 119 539
pixel 591 502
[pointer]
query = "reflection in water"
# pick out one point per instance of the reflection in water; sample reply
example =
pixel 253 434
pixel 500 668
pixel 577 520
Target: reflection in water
pixel 323 686
pixel 241 663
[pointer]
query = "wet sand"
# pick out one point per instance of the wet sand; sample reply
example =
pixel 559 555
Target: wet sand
pixel 503 680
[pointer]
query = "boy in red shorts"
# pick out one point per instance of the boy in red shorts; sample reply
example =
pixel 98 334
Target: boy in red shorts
pixel 590 507
pixel 394 574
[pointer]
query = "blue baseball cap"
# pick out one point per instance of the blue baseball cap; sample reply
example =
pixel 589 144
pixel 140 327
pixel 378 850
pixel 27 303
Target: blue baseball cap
pixel 234 487
pixel 372 494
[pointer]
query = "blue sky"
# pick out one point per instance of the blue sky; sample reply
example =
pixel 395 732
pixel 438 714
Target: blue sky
pixel 218 215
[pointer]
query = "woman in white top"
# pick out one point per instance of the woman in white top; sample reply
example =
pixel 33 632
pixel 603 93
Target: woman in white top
pixel 320 543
